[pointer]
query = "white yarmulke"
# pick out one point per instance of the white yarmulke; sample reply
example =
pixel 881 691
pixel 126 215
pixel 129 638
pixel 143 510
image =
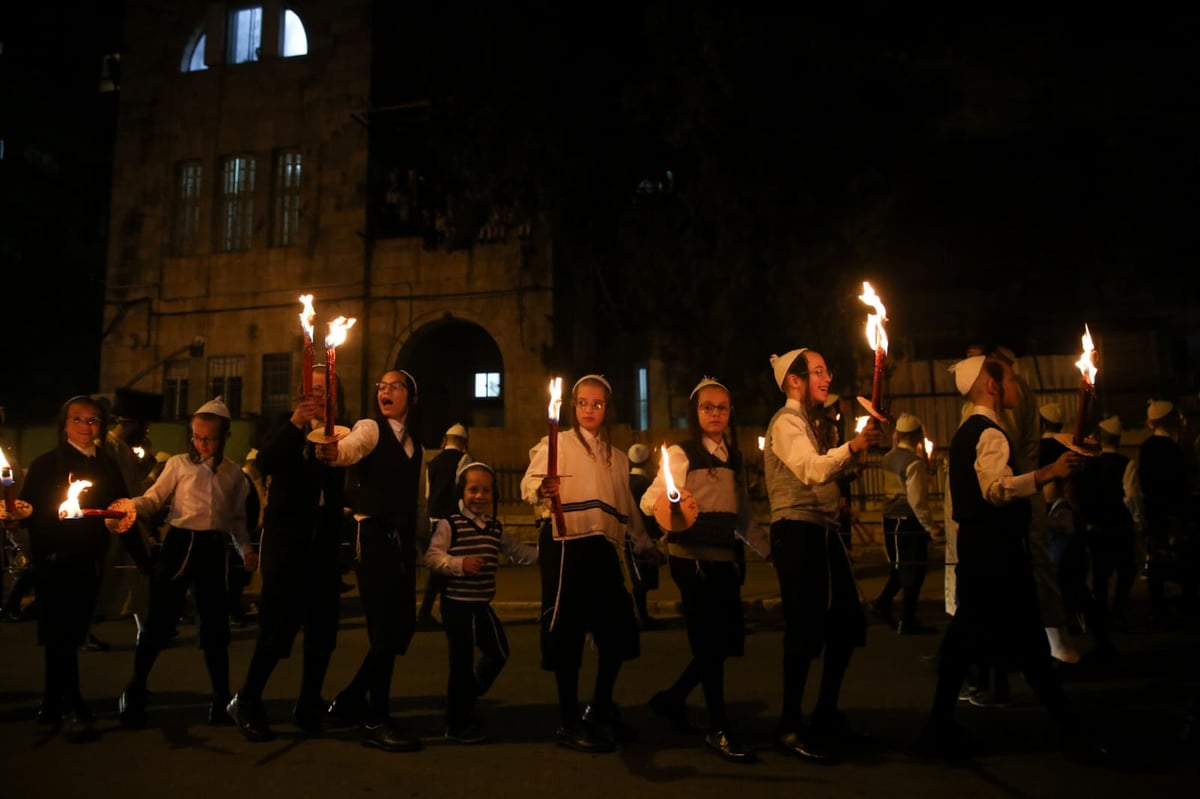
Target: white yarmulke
pixel 1111 425
pixel 966 372
pixel 831 400
pixel 705 383
pixel 216 406
pixel 597 378
pixel 638 453
pixel 1052 412
pixel 473 465
pixel 780 364
pixel 1157 409
pixel 907 423
pixel 457 430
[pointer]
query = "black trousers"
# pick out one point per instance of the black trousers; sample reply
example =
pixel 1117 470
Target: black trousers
pixel 195 559
pixel 471 625
pixel 907 546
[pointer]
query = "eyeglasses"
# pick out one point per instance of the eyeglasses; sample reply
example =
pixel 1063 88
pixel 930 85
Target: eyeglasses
pixel 396 386
pixel 714 410
pixel 90 421
pixel 821 373
pixel 318 391
pixel 583 405
pixel 204 440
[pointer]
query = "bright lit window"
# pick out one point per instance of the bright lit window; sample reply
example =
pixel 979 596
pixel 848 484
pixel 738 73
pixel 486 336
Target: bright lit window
pixel 245 34
pixel 487 385
pixel 295 40
pixel 193 57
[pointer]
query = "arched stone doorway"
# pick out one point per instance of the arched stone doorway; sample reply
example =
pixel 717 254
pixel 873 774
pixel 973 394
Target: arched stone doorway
pixel 447 358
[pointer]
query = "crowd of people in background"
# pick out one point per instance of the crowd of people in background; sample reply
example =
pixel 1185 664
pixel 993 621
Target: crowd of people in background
pixel 1044 539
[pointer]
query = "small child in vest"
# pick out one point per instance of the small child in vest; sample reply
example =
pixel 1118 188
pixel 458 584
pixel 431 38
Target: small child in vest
pixel 466 548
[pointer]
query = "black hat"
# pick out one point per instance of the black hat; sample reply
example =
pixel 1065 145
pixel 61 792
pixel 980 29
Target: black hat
pixel 139 405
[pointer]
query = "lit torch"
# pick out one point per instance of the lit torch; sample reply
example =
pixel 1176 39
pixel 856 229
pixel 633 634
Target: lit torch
pixel 860 423
pixel 878 340
pixel 13 508
pixel 334 339
pixel 306 324
pixel 553 411
pixel 1087 383
pixel 119 516
pixel 679 510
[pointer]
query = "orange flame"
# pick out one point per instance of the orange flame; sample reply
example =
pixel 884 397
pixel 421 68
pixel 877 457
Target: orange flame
pixel 555 407
pixel 1087 361
pixel 337 332
pixel 5 467
pixel 861 422
pixel 306 317
pixel 665 466
pixel 70 509
pixel 928 449
pixel 876 335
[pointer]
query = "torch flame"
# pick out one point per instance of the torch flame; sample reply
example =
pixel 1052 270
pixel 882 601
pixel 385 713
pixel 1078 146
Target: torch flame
pixel 665 466
pixel 555 407
pixel 762 443
pixel 306 316
pixel 70 508
pixel 876 335
pixel 1087 361
pixel 337 331
pixel 860 422
pixel 928 449
pixel 140 452
pixel 5 468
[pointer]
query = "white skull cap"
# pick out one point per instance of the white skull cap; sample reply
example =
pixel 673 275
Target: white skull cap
pixel 597 378
pixel 1052 412
pixel 966 372
pixel 1111 425
pixel 458 430
pixel 780 364
pixel 705 383
pixel 907 423
pixel 1157 409
pixel 216 406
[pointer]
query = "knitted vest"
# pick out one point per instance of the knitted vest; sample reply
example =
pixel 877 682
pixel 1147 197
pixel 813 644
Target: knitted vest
pixel 895 482
pixel 713 484
pixel 791 499
pixel 469 540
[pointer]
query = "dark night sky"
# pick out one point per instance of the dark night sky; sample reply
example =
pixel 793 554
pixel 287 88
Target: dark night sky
pixel 1029 166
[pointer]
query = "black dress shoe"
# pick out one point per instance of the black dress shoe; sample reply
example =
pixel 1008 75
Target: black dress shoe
pixel 94 644
pixel 667 707
pixel 346 710
pixel 132 708
pixel 77 727
pixel 728 747
pixel 386 735
pixel 251 719
pixel 583 738
pixel 883 612
pixel 607 721
pixel 794 744
pixel 310 715
pixel 218 715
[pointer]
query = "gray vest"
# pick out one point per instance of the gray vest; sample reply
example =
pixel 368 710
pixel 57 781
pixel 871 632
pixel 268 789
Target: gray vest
pixel 791 499
pixel 895 482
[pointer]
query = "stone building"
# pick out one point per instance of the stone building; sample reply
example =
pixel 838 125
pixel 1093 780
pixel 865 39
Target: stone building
pixel 257 161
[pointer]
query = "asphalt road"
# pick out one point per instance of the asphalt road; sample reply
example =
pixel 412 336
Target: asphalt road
pixel 1136 703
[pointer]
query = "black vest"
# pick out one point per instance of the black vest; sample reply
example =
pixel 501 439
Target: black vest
pixel 443 499
pixel 992 539
pixel 712 527
pixel 385 481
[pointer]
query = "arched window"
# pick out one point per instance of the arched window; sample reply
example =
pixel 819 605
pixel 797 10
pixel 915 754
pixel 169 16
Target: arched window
pixel 295 40
pixel 244 38
pixel 193 56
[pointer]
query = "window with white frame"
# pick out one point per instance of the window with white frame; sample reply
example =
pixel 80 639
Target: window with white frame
pixel 175 389
pixel 185 230
pixel 225 380
pixel 286 213
pixel 642 397
pixel 487 385
pixel 235 219
pixel 244 34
